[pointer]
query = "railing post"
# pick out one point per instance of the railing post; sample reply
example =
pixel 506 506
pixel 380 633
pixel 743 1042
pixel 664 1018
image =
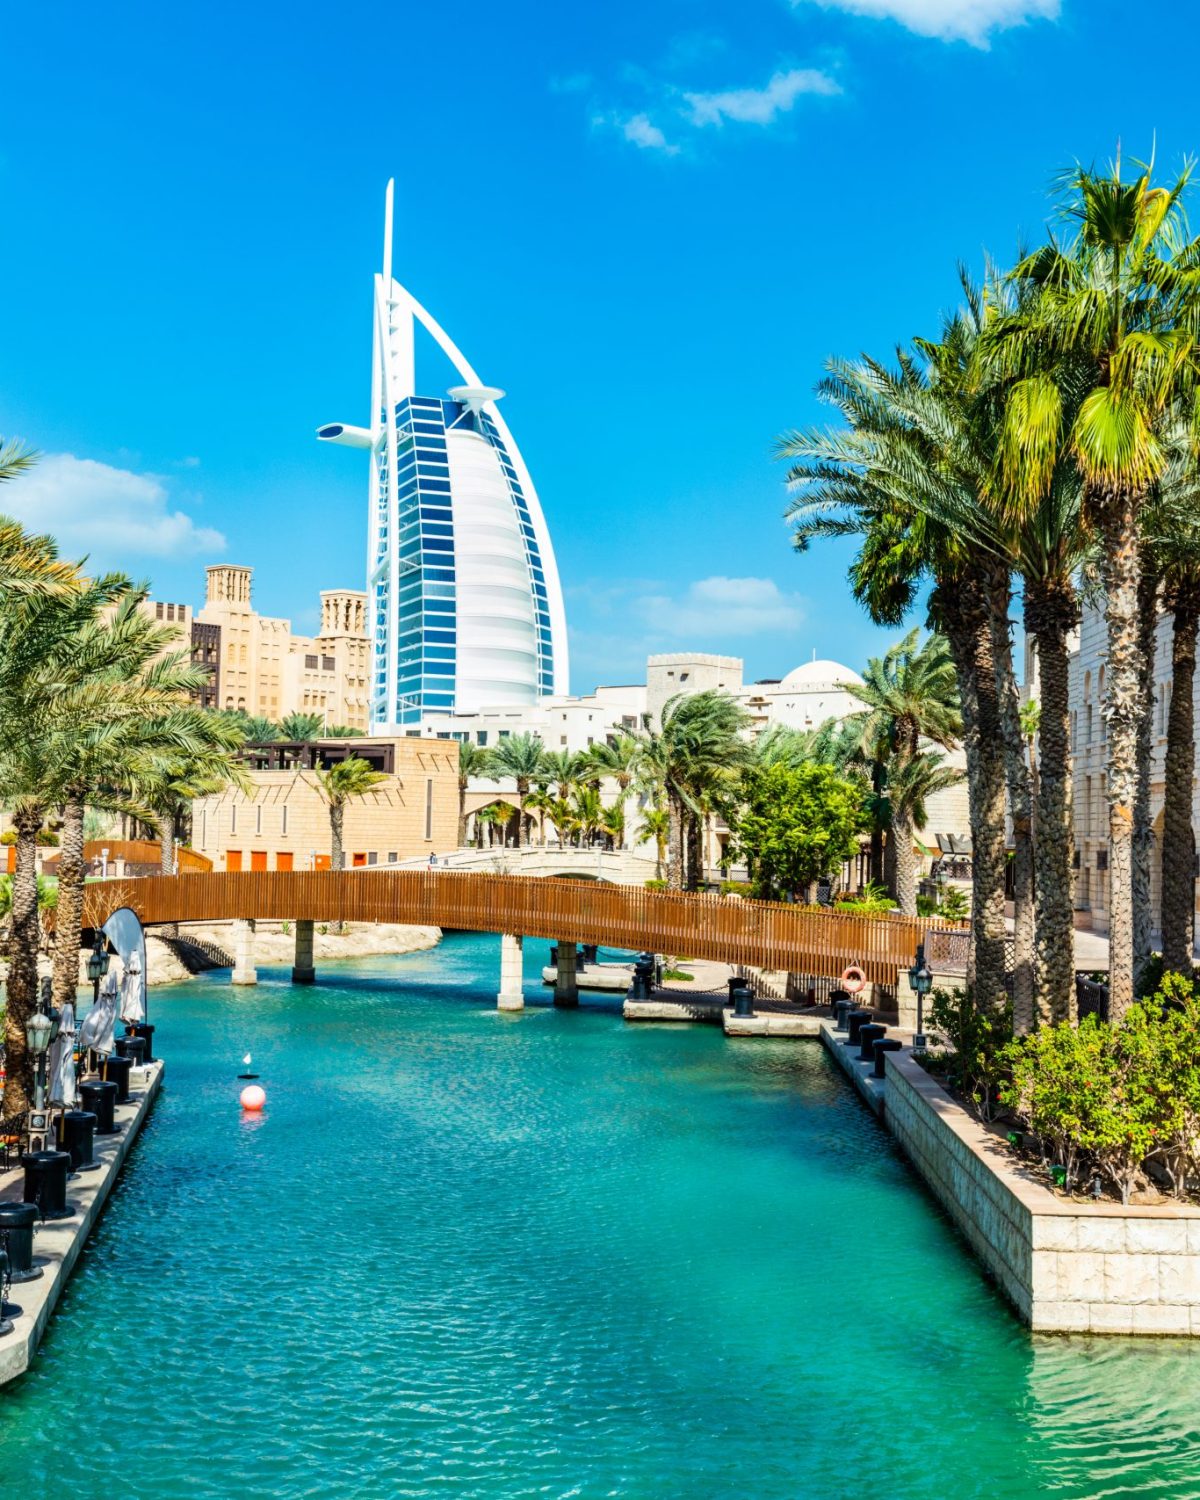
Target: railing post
pixel 302 969
pixel 512 992
pixel 244 971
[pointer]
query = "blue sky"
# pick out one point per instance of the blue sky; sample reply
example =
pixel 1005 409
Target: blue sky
pixel 651 223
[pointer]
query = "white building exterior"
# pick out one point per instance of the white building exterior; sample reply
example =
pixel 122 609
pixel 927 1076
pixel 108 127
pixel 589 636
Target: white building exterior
pixel 464 599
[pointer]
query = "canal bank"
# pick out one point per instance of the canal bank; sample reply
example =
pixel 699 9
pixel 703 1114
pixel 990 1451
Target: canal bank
pixel 475 1253
pixel 58 1243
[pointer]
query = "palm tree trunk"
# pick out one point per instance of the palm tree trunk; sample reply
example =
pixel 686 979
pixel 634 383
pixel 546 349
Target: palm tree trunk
pixel 889 860
pixel 1143 827
pixel 1117 524
pixel 462 812
pixel 68 913
pixel 876 858
pixel 1051 612
pixel 22 987
pixel 166 859
pixel 961 609
pixel 674 843
pixel 337 818
pixel 522 793
pixel 695 829
pixel 1021 810
pixel 905 862
pixel 1178 840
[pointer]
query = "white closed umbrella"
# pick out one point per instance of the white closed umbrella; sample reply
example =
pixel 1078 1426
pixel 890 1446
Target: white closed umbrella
pixel 63 1088
pixel 133 994
pixel 96 1033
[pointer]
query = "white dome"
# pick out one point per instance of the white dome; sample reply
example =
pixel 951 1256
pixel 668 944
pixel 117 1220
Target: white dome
pixel 820 676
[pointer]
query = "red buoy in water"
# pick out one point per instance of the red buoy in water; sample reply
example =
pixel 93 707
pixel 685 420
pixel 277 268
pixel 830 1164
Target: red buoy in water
pixel 253 1098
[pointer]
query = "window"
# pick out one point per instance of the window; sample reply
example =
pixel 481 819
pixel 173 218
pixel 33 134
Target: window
pixel 328 664
pixel 204 825
pixel 1102 859
pixel 258 819
pixel 233 859
pixel 481 737
pixel 284 860
pixel 429 808
pixel 283 821
pixel 233 818
pixel 373 858
pixel 392 857
pixel 310 663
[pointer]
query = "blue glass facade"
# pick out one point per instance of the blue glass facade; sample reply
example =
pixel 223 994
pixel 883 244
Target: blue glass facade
pixel 425 655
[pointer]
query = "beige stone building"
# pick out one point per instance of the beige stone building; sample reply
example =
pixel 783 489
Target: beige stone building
pixel 265 670
pixel 282 822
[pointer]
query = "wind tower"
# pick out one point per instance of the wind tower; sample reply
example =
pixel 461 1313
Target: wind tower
pixel 465 608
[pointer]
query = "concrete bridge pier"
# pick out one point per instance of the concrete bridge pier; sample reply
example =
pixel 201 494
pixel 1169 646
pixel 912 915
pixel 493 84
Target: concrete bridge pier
pixel 512 993
pixel 302 969
pixel 244 971
pixel 566 985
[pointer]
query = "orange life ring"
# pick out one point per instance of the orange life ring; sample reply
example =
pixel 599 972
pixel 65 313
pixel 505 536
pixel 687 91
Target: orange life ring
pixel 853 979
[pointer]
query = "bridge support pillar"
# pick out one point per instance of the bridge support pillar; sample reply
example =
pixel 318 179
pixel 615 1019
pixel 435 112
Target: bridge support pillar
pixel 302 970
pixel 512 992
pixel 566 986
pixel 244 971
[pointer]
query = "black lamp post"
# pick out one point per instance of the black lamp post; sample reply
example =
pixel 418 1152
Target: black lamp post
pixel 920 976
pixel 41 1027
pixel 97 964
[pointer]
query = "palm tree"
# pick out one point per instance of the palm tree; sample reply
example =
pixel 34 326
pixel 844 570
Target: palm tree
pixel 910 450
pixel 562 769
pixel 589 812
pixel 343 732
pixel 496 815
pixel 472 761
pixel 656 825
pixel 694 754
pixel 612 822
pixel 302 728
pixel 37 631
pixel 910 785
pixel 1112 307
pixel 338 785
pixel 1171 549
pixel 538 802
pixel 616 759
pixel 911 693
pixel 522 757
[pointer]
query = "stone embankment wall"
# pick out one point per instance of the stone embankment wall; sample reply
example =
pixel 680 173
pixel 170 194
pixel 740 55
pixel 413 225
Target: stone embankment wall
pixel 1067 1266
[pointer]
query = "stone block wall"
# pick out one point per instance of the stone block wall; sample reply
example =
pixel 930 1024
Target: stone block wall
pixel 1065 1266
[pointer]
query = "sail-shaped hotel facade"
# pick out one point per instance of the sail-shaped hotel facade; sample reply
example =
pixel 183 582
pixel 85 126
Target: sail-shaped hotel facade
pixel 465 604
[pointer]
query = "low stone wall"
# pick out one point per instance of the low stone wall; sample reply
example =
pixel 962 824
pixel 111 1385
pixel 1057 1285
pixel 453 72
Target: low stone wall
pixel 1065 1266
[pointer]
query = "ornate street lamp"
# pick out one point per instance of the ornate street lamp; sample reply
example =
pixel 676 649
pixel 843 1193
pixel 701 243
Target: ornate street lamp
pixel 39 1031
pixel 920 976
pixel 97 964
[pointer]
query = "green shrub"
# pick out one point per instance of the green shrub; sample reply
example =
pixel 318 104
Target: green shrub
pixel 47 838
pixel 977 1066
pixel 954 905
pixel 656 885
pixel 926 906
pixel 9 836
pixel 874 901
pixel 737 888
pixel 1109 1100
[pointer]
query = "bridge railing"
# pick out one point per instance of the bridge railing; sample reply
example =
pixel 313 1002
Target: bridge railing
pixel 771 935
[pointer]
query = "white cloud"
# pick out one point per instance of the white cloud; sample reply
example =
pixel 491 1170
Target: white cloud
pixel 640 130
pixel 760 106
pixel 111 514
pixel 713 608
pixel 951 20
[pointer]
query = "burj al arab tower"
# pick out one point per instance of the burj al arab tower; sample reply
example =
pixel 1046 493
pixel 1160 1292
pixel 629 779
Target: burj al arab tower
pixel 465 607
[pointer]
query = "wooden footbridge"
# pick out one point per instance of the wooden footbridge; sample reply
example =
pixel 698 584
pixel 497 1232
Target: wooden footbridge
pixel 763 934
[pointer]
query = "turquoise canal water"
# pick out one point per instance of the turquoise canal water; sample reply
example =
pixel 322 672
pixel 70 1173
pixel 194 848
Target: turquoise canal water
pixel 469 1254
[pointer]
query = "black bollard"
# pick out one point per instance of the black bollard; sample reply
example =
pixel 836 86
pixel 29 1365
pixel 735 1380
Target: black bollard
pixel 588 953
pixel 836 997
pixel 840 1011
pixel 100 1097
pixel 743 1000
pixel 132 1047
pixel 146 1032
pixel 884 1045
pixel 16 1222
pixel 46 1182
pixel 868 1035
pixel 643 977
pixel 734 984
pixel 76 1131
pixel 855 1021
pixel 117 1070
